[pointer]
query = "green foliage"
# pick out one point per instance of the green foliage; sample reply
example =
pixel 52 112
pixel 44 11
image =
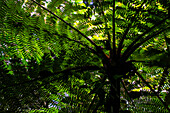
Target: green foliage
pixel 69 56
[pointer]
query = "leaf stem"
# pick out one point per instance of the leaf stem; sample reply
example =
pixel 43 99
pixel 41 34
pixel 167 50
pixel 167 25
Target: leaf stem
pixel 67 24
pixel 113 52
pixel 79 68
pixel 128 53
pixel 140 76
pixel 127 29
pixel 140 36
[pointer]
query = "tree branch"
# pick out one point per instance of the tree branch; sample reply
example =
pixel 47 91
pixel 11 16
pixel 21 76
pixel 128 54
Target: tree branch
pixel 78 69
pixel 113 52
pixel 127 92
pixel 140 36
pixel 108 42
pixel 128 53
pixel 67 24
pixel 152 90
pixel 126 31
pixel 90 48
pixel 163 78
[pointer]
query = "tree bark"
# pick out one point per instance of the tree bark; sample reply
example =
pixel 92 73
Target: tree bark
pixel 113 101
pixel 114 97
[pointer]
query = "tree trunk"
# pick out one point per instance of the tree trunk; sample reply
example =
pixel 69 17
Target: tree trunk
pixel 113 103
pixel 114 97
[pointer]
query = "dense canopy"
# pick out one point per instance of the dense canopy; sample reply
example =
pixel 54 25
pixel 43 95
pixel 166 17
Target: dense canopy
pixel 84 56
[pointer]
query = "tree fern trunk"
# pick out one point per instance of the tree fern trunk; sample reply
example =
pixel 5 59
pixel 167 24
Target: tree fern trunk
pixel 114 102
pixel 113 99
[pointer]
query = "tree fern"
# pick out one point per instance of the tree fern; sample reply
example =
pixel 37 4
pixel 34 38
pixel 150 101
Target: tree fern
pixel 74 32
